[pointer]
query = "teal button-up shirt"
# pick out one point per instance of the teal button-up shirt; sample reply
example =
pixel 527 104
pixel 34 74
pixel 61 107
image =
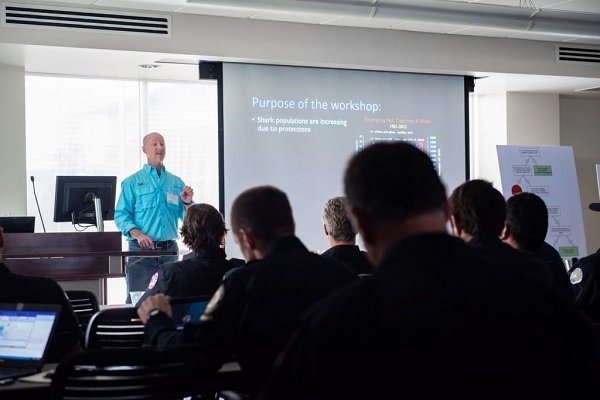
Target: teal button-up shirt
pixel 150 203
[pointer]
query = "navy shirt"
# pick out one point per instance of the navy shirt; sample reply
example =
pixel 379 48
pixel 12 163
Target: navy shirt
pixel 352 256
pixel 437 320
pixel 585 279
pixel 258 306
pixel 199 273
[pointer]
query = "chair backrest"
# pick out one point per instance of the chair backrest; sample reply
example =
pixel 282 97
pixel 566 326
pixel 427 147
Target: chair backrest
pixel 143 373
pixel 84 304
pixel 116 327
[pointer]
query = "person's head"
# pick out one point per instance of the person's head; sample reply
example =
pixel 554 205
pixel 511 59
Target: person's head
pixel 526 222
pixel 203 227
pixel 477 210
pixel 155 149
pixel 259 216
pixel 393 191
pixel 338 227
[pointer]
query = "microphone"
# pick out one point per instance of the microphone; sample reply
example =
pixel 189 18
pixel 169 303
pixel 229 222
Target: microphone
pixel 595 206
pixel 37 203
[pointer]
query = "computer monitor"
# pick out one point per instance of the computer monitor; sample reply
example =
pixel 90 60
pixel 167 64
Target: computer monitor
pixel 78 197
pixel 18 224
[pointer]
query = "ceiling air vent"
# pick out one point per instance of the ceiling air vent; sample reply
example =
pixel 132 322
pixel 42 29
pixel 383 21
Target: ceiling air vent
pixel 578 54
pixel 70 19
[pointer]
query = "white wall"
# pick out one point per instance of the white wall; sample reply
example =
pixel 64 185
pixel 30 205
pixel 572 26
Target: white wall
pixel 580 128
pixel 489 131
pixel 533 119
pixel 13 191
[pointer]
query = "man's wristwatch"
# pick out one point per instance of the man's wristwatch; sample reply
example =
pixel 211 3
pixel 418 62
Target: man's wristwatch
pixel 152 313
pixel 187 204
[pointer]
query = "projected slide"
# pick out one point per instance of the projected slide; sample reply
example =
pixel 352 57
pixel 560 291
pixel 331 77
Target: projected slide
pixel 362 129
pixel 296 128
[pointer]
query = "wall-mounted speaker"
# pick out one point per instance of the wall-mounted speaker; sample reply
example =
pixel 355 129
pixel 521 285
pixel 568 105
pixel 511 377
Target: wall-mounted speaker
pixel 208 70
pixel 470 84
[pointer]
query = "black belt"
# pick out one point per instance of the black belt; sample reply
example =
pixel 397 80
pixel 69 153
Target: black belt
pixel 164 244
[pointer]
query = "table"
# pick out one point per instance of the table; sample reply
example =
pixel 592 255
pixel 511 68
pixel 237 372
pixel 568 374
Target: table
pixel 74 256
pixel 228 376
pixel 22 389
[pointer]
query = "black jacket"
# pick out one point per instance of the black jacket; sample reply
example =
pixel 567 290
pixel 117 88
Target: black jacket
pixel 259 306
pixel 352 256
pixel 437 320
pixel 197 274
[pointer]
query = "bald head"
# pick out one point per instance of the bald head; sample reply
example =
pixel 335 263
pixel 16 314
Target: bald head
pixel 152 136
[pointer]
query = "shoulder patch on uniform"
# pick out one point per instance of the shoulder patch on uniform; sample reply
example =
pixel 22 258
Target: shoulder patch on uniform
pixel 153 281
pixel 212 304
pixel 576 276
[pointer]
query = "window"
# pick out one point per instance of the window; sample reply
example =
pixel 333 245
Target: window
pixel 91 126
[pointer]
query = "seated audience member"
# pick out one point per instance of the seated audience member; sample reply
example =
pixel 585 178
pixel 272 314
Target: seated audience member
pixel 201 271
pixel 254 311
pixel 437 320
pixel 16 288
pixel 585 278
pixel 478 215
pixel 549 253
pixel 526 228
pixel 342 237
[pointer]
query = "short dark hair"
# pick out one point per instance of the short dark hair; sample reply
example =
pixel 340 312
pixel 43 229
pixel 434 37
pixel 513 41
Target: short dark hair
pixel 336 220
pixel 527 218
pixel 264 210
pixel 479 208
pixel 203 227
pixel 391 181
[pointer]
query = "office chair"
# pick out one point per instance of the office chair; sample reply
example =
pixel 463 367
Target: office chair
pixel 174 372
pixel 118 327
pixel 84 304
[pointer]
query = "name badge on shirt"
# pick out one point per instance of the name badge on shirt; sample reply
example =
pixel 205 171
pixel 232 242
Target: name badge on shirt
pixel 172 198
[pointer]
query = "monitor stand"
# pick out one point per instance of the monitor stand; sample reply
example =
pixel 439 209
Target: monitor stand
pixel 99 219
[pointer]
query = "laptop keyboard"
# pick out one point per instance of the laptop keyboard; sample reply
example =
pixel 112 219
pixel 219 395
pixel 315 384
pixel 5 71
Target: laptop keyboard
pixel 13 372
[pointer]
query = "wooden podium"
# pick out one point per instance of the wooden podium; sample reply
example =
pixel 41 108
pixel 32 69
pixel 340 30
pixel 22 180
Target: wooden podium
pixel 71 256
pixel 65 255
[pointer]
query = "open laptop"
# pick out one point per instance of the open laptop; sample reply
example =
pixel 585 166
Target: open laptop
pixel 188 309
pixel 25 333
pixel 18 224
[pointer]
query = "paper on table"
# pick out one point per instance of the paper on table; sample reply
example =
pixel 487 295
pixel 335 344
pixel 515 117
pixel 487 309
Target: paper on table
pixel 40 377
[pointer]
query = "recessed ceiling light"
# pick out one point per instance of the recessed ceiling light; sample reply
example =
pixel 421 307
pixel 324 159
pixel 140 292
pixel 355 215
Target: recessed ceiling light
pixel 150 66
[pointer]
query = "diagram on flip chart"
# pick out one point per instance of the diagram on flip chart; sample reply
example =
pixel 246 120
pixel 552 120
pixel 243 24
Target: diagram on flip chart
pixel 549 172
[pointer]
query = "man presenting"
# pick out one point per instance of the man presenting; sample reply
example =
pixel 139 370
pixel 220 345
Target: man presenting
pixel 151 203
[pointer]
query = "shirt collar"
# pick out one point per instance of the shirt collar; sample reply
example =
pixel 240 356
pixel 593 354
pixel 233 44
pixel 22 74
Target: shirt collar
pixel 150 169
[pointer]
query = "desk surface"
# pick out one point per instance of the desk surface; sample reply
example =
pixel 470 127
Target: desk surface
pixel 22 389
pixel 70 255
pixel 60 243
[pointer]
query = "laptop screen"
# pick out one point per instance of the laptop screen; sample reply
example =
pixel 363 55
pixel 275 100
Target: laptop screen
pixel 25 331
pixel 188 309
pixel 18 224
